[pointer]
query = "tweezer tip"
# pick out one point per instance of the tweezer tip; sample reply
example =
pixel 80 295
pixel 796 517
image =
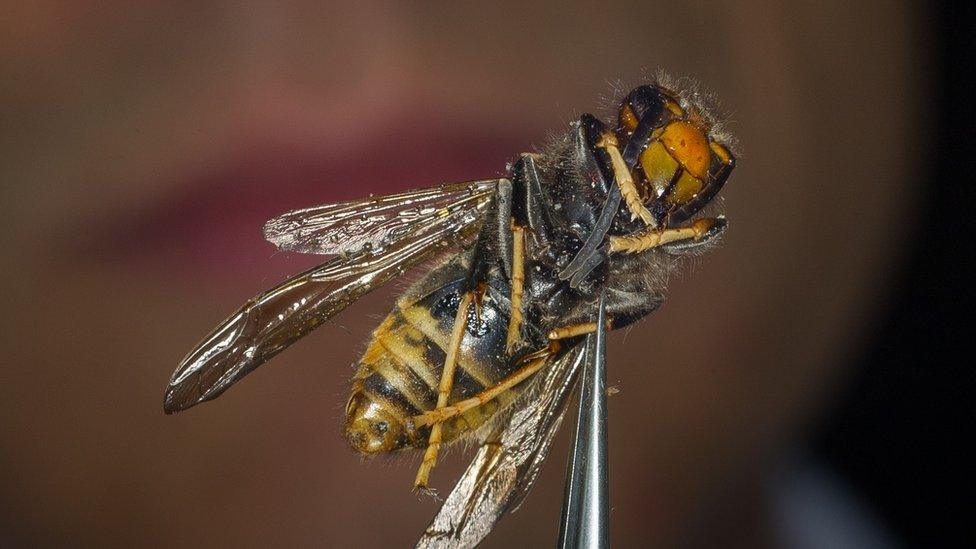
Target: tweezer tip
pixel 586 502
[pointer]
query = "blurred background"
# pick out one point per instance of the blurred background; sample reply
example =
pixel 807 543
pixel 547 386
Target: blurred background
pixel 804 386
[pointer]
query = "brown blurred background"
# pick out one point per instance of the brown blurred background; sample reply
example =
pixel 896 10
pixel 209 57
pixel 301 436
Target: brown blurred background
pixel 143 145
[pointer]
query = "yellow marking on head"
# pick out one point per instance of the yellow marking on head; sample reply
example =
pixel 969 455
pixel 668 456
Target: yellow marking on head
pixel 688 145
pixel 685 188
pixel 721 152
pixel 628 119
pixel 675 108
pixel 659 166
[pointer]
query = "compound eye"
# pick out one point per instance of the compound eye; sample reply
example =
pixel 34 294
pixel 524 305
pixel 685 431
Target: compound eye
pixel 644 101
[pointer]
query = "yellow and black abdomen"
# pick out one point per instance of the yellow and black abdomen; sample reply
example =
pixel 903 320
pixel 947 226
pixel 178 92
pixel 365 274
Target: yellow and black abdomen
pixel 400 371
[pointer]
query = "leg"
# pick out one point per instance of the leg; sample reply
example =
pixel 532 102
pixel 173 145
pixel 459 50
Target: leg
pixel 653 112
pixel 518 280
pixel 624 305
pixel 589 256
pixel 576 330
pixel 588 132
pixel 444 390
pixel 684 247
pixel 701 229
pixel 623 308
pixel 625 180
pixel 530 210
pixel 594 261
pixel 534 363
pixel 502 235
pixel 527 212
pixel 498 239
pixel 530 206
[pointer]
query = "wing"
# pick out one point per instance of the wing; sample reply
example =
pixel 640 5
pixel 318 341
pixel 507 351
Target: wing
pixel 507 465
pixel 273 320
pixel 348 227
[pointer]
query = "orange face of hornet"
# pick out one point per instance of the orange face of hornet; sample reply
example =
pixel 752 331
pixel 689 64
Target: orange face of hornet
pixel 683 160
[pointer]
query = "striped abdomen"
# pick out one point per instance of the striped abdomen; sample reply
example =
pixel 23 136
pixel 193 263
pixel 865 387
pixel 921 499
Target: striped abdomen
pixel 400 371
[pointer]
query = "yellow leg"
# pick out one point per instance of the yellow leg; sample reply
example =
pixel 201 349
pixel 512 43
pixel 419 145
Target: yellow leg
pixel 647 239
pixel 534 362
pixel 444 391
pixel 576 330
pixel 626 181
pixel 438 416
pixel 518 281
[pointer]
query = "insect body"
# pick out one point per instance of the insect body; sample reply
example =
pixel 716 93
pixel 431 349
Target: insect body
pixel 487 345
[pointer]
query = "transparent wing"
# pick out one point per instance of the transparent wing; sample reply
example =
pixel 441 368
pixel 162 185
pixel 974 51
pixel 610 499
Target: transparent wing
pixel 375 222
pixel 508 463
pixel 273 320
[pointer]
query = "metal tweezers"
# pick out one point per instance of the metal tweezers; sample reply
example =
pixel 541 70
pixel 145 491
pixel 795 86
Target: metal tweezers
pixel 586 503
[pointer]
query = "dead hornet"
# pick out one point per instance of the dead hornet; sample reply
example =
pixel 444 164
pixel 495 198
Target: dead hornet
pixel 487 345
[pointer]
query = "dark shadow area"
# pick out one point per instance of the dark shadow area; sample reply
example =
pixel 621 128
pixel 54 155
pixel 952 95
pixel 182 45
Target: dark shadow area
pixel 901 434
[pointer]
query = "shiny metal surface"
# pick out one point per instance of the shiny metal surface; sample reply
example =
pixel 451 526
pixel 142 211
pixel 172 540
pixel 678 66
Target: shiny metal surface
pixel 586 507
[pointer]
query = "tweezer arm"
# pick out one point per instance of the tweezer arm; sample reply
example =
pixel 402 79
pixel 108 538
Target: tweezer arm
pixel 586 505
